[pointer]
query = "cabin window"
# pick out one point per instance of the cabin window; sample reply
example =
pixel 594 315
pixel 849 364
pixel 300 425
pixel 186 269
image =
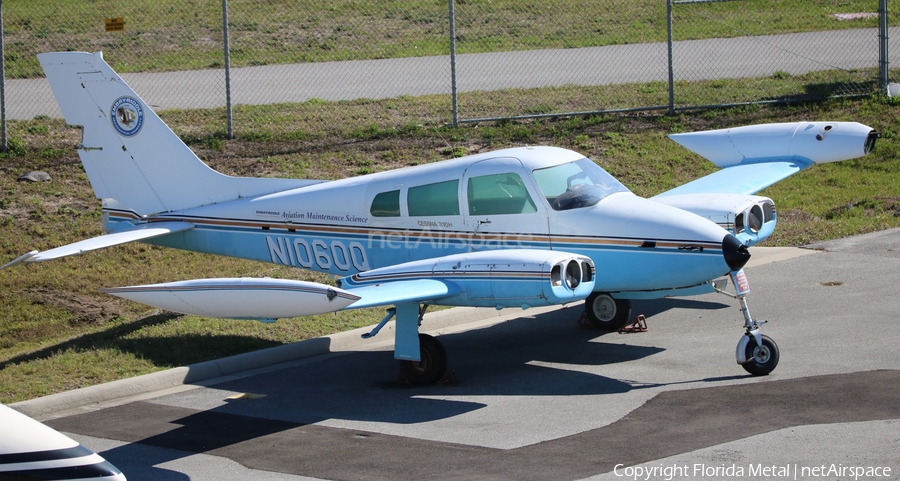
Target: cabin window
pixel 441 198
pixel 386 204
pixel 499 194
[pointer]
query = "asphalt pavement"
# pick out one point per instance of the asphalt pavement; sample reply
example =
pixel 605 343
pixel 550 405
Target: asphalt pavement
pixel 750 56
pixel 540 397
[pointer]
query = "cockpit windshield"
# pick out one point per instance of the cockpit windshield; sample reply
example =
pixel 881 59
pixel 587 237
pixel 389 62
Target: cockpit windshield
pixel 576 184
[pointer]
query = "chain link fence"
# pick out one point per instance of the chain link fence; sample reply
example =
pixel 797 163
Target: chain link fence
pixel 472 59
pixel 818 51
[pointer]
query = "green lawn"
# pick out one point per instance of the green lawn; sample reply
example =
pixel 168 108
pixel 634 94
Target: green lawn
pixel 58 332
pixel 170 35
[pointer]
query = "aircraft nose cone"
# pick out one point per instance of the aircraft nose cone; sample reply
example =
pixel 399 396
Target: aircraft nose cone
pixel 736 254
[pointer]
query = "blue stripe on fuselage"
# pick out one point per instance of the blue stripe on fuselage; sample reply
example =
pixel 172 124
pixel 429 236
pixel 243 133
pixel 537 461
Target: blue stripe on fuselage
pixel 621 264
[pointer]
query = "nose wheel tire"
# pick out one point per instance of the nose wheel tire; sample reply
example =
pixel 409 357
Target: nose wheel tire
pixel 761 360
pixel 606 312
pixel 433 364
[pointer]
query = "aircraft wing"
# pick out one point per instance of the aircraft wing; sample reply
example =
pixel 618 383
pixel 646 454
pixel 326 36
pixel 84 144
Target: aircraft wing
pixel 740 179
pixel 757 156
pixel 754 157
pixel 417 290
pixel 140 232
pixel 270 299
pixel 500 278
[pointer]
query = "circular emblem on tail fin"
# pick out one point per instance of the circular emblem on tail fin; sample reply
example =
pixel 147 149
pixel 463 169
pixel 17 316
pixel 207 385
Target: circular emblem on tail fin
pixel 127 116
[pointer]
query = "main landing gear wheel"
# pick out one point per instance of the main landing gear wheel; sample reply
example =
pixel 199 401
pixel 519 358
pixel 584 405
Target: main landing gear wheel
pixel 607 313
pixel 433 365
pixel 761 360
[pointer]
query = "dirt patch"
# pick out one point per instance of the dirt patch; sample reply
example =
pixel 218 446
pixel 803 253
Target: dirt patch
pixel 86 309
pixel 796 216
pixel 868 207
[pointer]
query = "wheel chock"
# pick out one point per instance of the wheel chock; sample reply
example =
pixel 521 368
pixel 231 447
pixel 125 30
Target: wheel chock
pixel 584 323
pixel 449 379
pixel 638 325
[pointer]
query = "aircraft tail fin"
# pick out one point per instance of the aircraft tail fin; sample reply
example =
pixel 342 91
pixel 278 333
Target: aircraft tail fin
pixel 128 152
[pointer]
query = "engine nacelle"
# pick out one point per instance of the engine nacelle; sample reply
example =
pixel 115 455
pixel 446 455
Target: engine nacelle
pixel 751 218
pixel 504 278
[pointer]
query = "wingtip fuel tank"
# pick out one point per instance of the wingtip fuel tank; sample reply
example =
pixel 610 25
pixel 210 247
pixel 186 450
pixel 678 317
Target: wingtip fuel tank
pixel 810 142
pixel 240 298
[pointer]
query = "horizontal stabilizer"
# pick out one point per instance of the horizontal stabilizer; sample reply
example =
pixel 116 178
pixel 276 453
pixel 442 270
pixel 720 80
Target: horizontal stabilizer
pixel 141 232
pixel 240 298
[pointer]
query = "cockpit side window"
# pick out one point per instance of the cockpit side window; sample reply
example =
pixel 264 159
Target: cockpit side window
pixel 576 184
pixel 386 204
pixel 441 198
pixel 499 194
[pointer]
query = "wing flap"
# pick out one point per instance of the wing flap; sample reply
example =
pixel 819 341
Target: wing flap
pixel 141 232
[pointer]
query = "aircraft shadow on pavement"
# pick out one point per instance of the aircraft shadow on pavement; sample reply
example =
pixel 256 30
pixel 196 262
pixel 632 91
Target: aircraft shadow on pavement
pixel 544 355
pixel 530 356
pixel 139 461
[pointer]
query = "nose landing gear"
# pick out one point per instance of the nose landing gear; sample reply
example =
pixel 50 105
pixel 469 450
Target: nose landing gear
pixel 756 353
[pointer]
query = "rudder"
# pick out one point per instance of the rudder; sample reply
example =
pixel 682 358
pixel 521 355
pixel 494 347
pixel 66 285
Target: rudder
pixel 128 152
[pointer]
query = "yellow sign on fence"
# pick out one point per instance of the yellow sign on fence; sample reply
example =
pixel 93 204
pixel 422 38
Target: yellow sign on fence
pixel 114 24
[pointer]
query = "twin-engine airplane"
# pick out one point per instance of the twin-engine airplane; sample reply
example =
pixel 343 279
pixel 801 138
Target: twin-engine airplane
pixel 520 227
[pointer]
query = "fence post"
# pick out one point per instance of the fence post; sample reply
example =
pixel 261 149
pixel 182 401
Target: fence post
pixel 671 68
pixel 230 126
pixel 4 147
pixel 883 44
pixel 453 94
